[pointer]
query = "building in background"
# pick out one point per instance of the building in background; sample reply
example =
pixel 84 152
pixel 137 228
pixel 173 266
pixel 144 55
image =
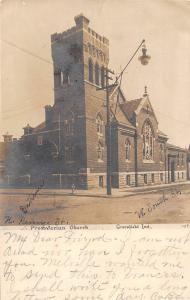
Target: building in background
pixel 188 163
pixel 5 149
pixel 69 147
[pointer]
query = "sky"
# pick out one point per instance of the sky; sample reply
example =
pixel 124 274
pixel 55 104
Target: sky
pixel 26 64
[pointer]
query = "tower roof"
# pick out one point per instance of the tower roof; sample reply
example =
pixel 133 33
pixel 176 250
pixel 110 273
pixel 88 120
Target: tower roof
pixel 81 20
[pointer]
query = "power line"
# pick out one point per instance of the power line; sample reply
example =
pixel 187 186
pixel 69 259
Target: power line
pixel 49 62
pixel 27 52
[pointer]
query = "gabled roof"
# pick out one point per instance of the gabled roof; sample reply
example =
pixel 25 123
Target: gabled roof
pixel 39 127
pixel 161 133
pixel 121 118
pixel 130 107
pixel 171 146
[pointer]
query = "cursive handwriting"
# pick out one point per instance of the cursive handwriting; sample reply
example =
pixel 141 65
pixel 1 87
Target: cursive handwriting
pixel 150 207
pixel 30 199
pixel 85 263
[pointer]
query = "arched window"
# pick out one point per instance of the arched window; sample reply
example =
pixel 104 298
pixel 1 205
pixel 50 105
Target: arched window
pixel 127 149
pixel 102 76
pixel 90 71
pixel 69 153
pixel 69 123
pixel 161 152
pixel 148 141
pixel 100 150
pixel 97 74
pixel 57 78
pixel 65 77
pixel 100 124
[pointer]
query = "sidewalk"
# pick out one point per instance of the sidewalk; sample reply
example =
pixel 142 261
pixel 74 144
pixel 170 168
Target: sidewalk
pixel 101 193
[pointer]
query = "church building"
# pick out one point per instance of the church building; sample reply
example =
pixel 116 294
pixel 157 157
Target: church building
pixel 70 145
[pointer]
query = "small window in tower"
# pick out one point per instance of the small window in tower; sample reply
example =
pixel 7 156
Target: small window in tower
pixel 90 71
pixel 40 140
pixel 97 74
pixel 65 77
pixel 57 78
pixel 102 76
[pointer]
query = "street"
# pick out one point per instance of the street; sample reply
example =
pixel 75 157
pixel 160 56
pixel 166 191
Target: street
pixel 161 205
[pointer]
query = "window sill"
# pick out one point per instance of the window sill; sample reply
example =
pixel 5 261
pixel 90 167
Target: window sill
pixel 148 161
pixel 128 161
pixel 100 160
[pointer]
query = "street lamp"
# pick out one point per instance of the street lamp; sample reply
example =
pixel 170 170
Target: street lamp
pixel 144 59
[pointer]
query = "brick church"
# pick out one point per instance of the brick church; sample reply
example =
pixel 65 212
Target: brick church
pixel 70 146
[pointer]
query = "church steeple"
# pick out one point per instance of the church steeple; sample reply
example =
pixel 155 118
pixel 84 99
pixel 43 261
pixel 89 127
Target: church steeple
pixel 145 92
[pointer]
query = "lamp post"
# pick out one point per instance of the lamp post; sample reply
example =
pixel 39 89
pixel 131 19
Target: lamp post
pixel 144 59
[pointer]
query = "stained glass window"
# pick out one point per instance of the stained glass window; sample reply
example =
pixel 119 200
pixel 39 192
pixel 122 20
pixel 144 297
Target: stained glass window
pixel 100 151
pixel 148 141
pixel 99 123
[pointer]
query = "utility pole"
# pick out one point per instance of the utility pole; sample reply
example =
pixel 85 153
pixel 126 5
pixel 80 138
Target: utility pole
pixel 108 128
pixel 59 141
pixel 108 135
pixel 144 59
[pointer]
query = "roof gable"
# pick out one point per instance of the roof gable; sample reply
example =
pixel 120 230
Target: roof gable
pixel 145 105
pixel 130 107
pixel 117 99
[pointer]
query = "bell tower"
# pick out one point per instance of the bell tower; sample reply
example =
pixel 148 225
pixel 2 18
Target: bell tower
pixel 80 57
pixel 78 54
